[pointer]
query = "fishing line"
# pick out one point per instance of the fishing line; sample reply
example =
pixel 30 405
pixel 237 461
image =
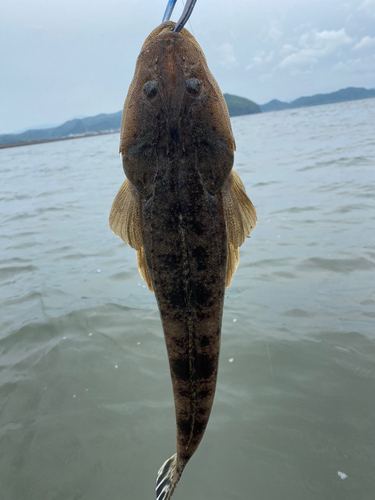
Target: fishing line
pixel 269 357
pixel 270 360
pixel 268 349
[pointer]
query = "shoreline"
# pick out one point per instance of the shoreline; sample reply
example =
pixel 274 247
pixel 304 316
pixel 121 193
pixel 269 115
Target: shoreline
pixel 42 141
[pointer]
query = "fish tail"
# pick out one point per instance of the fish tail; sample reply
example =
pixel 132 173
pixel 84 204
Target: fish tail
pixel 168 476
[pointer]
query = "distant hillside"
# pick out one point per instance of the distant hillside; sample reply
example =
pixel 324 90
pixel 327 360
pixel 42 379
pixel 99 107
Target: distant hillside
pixel 91 124
pixel 240 105
pixel 274 105
pixel 348 94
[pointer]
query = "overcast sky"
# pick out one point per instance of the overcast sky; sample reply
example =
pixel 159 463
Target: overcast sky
pixel 65 58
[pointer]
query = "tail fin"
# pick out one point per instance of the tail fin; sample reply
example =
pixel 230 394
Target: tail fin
pixel 168 476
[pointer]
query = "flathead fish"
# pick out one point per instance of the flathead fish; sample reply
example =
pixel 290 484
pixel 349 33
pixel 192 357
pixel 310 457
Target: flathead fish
pixel 185 211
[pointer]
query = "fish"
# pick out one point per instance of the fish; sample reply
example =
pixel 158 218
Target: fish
pixel 185 211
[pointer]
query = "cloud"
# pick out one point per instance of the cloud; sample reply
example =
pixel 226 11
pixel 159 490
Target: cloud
pixel 300 59
pixel 368 5
pixel 256 61
pixel 324 41
pixel 274 33
pixel 314 46
pixel 340 66
pixel 365 43
pixel 302 26
pixel 287 49
pixel 228 59
pixel 272 30
pixel 359 66
pixel 260 59
pixel 265 77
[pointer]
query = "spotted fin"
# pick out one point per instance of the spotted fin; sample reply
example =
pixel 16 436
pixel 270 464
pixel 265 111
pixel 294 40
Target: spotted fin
pixel 125 220
pixel 240 219
pixel 168 476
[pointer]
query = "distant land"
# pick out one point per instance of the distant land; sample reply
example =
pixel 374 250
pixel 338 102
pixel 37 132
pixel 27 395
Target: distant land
pixel 110 123
pixel 349 94
pixel 79 127
pixel 238 106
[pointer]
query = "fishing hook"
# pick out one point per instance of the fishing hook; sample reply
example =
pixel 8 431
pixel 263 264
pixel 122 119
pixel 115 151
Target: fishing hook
pixel 190 4
pixel 169 10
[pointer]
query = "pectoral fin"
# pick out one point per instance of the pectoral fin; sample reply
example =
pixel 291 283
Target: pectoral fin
pixel 142 267
pixel 232 262
pixel 240 219
pixel 125 220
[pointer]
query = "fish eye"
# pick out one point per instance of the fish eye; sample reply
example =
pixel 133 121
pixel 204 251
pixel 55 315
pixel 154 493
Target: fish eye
pixel 150 88
pixel 193 85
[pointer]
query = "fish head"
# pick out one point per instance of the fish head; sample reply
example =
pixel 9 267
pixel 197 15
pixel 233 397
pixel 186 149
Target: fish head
pixel 175 112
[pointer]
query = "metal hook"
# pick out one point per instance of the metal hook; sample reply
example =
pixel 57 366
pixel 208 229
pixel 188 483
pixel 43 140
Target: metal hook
pixel 169 10
pixel 190 4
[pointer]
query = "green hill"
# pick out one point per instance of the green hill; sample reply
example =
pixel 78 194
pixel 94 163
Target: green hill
pixel 91 124
pixel 274 105
pixel 240 105
pixel 348 94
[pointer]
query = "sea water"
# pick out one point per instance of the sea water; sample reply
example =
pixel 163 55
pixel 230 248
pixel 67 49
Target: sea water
pixel 86 406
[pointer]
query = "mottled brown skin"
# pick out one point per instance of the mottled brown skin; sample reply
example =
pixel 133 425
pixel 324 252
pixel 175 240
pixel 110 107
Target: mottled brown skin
pixel 178 156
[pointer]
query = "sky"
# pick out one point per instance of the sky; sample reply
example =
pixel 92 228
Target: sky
pixel 74 58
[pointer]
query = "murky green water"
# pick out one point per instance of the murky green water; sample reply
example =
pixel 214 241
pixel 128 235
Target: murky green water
pixel 86 408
